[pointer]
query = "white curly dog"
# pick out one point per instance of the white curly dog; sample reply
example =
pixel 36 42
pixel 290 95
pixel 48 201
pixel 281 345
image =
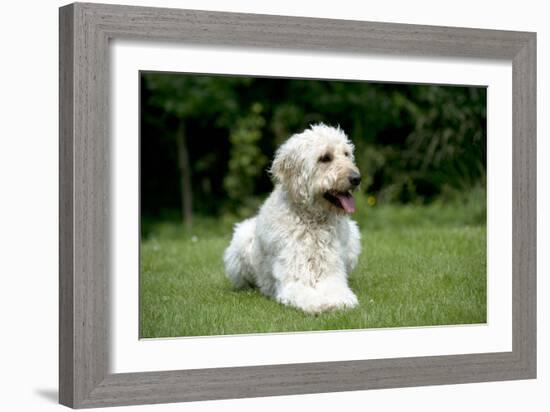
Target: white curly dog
pixel 302 245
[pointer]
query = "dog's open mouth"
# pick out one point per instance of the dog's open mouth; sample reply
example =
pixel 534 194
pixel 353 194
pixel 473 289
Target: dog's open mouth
pixel 343 200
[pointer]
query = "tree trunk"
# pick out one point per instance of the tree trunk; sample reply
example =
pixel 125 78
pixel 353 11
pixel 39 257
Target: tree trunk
pixel 185 177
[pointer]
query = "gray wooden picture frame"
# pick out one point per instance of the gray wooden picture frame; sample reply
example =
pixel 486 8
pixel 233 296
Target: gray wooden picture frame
pixel 85 32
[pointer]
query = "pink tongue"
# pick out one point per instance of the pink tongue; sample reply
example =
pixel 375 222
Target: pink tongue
pixel 347 202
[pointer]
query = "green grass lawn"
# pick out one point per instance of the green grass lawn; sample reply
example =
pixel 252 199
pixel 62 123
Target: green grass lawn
pixel 420 265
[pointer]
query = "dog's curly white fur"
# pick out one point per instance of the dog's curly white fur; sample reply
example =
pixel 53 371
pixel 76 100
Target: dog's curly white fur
pixel 302 245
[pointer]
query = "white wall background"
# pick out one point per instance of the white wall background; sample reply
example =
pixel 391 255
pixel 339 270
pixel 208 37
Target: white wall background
pixel 28 206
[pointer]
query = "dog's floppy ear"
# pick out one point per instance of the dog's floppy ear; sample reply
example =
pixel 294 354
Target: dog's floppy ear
pixel 288 168
pixel 280 168
pixel 285 162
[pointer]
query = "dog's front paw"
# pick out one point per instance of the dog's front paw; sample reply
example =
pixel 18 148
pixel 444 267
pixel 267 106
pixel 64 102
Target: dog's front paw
pixel 324 298
pixel 348 300
pixel 342 300
pixel 309 302
pixel 336 295
pixel 335 300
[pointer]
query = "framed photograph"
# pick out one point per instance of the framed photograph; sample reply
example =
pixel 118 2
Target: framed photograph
pixel 256 205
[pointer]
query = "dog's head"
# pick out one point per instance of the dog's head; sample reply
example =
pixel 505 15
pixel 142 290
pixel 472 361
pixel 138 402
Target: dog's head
pixel 317 169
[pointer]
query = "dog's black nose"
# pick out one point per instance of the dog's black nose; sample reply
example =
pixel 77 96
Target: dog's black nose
pixel 354 178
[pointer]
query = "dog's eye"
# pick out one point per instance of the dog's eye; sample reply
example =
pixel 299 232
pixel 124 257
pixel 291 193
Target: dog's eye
pixel 346 154
pixel 327 157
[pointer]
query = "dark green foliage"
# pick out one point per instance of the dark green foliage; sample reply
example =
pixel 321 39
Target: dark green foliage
pixel 246 160
pixel 414 143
